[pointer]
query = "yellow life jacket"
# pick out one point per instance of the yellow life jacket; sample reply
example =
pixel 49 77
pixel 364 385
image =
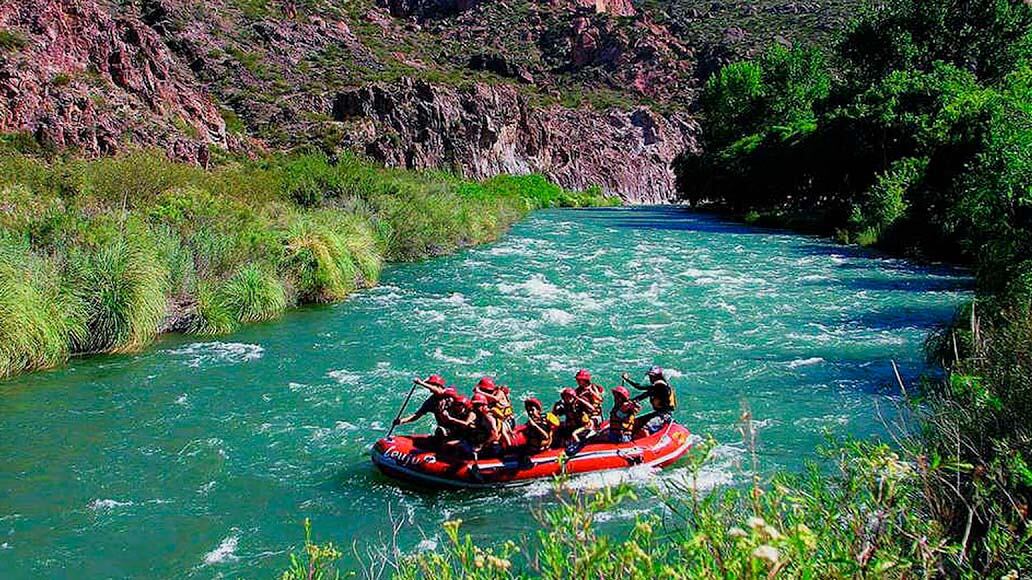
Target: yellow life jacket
pixel 535 439
pixel 662 401
pixel 503 412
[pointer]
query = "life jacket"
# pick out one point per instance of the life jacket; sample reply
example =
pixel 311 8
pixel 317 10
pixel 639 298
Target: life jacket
pixel 574 416
pixel 440 410
pixel 621 418
pixel 454 420
pixel 534 438
pixel 594 394
pixel 662 399
pixel 503 409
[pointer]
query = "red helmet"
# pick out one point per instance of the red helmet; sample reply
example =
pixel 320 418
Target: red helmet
pixel 505 389
pixel 462 401
pixel 532 402
pixel 479 400
pixel 583 375
pixel 435 380
pixel 450 393
pixel 567 392
pixel 487 384
pixel 623 392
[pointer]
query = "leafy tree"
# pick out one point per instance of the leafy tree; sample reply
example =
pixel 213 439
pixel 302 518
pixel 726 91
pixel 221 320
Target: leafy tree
pixel 984 37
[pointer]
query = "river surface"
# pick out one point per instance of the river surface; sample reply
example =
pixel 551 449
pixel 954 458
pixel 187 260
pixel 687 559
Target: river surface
pixel 200 458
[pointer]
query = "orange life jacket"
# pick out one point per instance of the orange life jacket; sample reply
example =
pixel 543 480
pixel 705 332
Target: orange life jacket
pixel 621 418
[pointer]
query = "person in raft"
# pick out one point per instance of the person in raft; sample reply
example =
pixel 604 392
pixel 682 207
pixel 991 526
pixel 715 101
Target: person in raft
pixel 456 420
pixel 660 395
pixel 577 424
pixel 482 436
pixel 591 393
pixel 537 433
pixel 439 400
pixel 621 417
pixel 500 405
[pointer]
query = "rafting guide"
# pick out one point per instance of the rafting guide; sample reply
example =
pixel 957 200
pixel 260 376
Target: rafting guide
pixel 477 442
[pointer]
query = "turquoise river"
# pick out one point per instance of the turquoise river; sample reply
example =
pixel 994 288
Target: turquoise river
pixel 201 457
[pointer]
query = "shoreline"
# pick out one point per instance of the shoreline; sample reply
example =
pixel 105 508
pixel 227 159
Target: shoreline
pixel 103 256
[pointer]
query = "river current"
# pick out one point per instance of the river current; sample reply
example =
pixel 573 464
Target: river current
pixel 201 457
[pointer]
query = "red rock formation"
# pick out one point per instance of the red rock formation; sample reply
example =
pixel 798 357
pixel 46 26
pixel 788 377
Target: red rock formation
pixel 489 129
pixel 91 76
pixel 614 7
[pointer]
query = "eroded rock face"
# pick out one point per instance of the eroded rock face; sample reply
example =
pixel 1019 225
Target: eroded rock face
pixel 484 130
pixel 90 76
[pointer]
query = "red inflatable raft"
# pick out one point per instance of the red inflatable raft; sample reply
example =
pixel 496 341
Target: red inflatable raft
pixel 410 458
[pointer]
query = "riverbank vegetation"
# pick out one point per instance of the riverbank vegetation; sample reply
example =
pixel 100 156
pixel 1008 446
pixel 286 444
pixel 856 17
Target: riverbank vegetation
pixel 913 135
pixel 102 255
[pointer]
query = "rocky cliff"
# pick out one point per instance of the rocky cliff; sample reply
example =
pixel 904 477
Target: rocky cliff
pixel 86 75
pixel 483 130
pixel 588 92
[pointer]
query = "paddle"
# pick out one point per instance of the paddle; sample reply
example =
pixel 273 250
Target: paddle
pixel 394 423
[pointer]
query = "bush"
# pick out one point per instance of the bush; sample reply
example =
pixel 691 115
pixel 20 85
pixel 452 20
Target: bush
pixel 38 318
pixel 318 263
pixel 122 286
pixel 253 294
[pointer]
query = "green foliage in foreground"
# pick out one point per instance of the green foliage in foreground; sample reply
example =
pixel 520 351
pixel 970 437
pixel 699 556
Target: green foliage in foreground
pixel 100 256
pixel 923 144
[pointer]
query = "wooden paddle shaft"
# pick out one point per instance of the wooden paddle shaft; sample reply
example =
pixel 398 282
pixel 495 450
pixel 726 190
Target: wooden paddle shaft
pixel 402 409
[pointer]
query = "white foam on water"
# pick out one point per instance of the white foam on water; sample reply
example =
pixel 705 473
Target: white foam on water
pixel 5 546
pixel 520 345
pixel 199 354
pixel 438 354
pixel 181 399
pixel 557 316
pixel 430 316
pixel 594 481
pixel 805 362
pixel 345 426
pixel 620 514
pixel 108 504
pixel 456 298
pixel 226 551
pixel 345 376
pixel 536 286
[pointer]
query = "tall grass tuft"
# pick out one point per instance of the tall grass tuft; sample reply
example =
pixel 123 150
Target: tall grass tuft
pixel 37 318
pixel 318 262
pixel 361 241
pixel 253 294
pixel 122 286
pixel 213 317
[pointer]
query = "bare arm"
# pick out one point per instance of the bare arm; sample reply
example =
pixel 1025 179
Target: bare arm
pixel 627 379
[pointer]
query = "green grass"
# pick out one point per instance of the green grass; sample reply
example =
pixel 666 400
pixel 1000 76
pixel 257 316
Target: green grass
pixel 12 40
pixel 106 253
pixel 253 294
pixel 122 287
pixel 38 321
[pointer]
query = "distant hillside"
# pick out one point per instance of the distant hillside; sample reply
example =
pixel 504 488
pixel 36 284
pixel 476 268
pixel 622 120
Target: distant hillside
pixel 588 92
